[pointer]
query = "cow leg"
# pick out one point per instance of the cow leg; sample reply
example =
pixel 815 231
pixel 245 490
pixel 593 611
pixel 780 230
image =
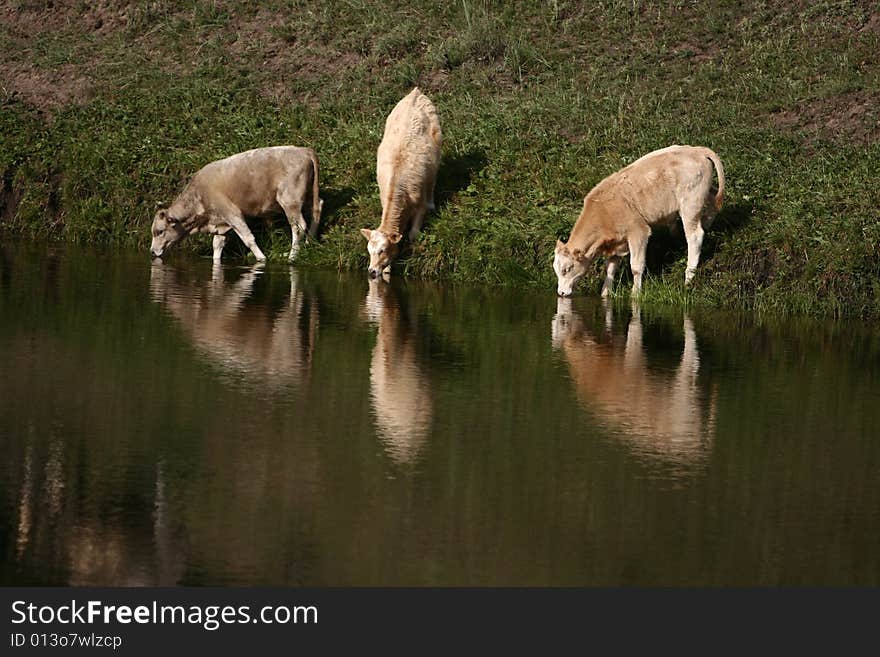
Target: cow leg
pixel 638 247
pixel 693 233
pixel 219 243
pixel 297 231
pixel 293 211
pixel 610 271
pixel 241 229
pixel 416 224
pixel 429 197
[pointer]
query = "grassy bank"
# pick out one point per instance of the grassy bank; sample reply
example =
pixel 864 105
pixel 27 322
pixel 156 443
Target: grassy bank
pixel 107 108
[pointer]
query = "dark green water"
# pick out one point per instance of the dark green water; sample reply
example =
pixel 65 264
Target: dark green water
pixel 174 424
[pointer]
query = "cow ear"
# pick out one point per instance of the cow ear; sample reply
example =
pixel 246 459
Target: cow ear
pixel 560 245
pixel 367 233
pixel 394 238
pixel 162 214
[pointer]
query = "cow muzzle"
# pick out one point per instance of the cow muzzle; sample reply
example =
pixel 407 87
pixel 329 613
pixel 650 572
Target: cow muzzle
pixel 563 293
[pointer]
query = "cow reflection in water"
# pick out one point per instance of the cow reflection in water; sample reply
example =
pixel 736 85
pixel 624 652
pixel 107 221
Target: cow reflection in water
pixel 400 387
pixel 55 528
pixel 663 415
pixel 253 339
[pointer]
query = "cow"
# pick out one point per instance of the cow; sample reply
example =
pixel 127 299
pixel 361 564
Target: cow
pixel 406 170
pixel 400 385
pixel 259 182
pixel 620 211
pixel 661 414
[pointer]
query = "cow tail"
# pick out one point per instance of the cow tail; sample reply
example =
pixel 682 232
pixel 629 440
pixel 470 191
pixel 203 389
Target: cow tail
pixel 316 201
pixel 719 170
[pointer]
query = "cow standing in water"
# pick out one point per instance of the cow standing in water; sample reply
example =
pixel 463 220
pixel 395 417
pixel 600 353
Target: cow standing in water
pixel 620 211
pixel 406 170
pixel 256 183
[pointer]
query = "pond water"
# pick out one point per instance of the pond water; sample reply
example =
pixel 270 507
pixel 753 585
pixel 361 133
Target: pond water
pixel 181 423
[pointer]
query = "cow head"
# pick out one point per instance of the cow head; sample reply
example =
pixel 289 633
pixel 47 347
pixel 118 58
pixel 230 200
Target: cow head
pixel 570 265
pixel 383 249
pixel 166 230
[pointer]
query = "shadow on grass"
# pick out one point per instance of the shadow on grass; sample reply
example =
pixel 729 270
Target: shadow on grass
pixel 334 200
pixel 456 173
pixel 668 245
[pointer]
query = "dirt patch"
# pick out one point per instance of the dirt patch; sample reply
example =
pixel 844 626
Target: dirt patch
pixel 852 117
pixel 28 17
pixel 284 60
pixel 696 51
pixel 871 25
pixel 50 90
pixel 435 80
pixel 46 91
pixel 256 35
pixel 286 71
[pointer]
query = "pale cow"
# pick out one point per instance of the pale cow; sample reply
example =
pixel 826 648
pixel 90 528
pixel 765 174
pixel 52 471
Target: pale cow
pixel 406 170
pixel 664 415
pixel 620 211
pixel 400 386
pixel 256 183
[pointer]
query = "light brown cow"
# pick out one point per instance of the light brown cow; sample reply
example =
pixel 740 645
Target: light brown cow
pixel 400 387
pixel 663 415
pixel 406 170
pixel 620 211
pixel 259 182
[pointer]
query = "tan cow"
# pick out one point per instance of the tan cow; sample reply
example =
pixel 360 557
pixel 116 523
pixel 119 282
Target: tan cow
pixel 620 211
pixel 663 415
pixel 400 388
pixel 256 183
pixel 406 170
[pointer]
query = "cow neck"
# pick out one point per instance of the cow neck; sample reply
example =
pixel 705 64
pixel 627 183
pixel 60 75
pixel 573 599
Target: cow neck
pixel 393 209
pixel 585 233
pixel 188 211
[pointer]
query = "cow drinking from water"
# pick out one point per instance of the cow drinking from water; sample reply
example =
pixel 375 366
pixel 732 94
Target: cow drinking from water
pixel 255 183
pixel 620 211
pixel 406 170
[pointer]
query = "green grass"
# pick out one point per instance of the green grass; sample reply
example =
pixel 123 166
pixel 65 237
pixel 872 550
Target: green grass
pixel 538 100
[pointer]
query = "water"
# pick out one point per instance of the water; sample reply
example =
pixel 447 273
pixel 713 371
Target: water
pixel 184 424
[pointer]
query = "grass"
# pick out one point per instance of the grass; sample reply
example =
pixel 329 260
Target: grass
pixel 539 101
